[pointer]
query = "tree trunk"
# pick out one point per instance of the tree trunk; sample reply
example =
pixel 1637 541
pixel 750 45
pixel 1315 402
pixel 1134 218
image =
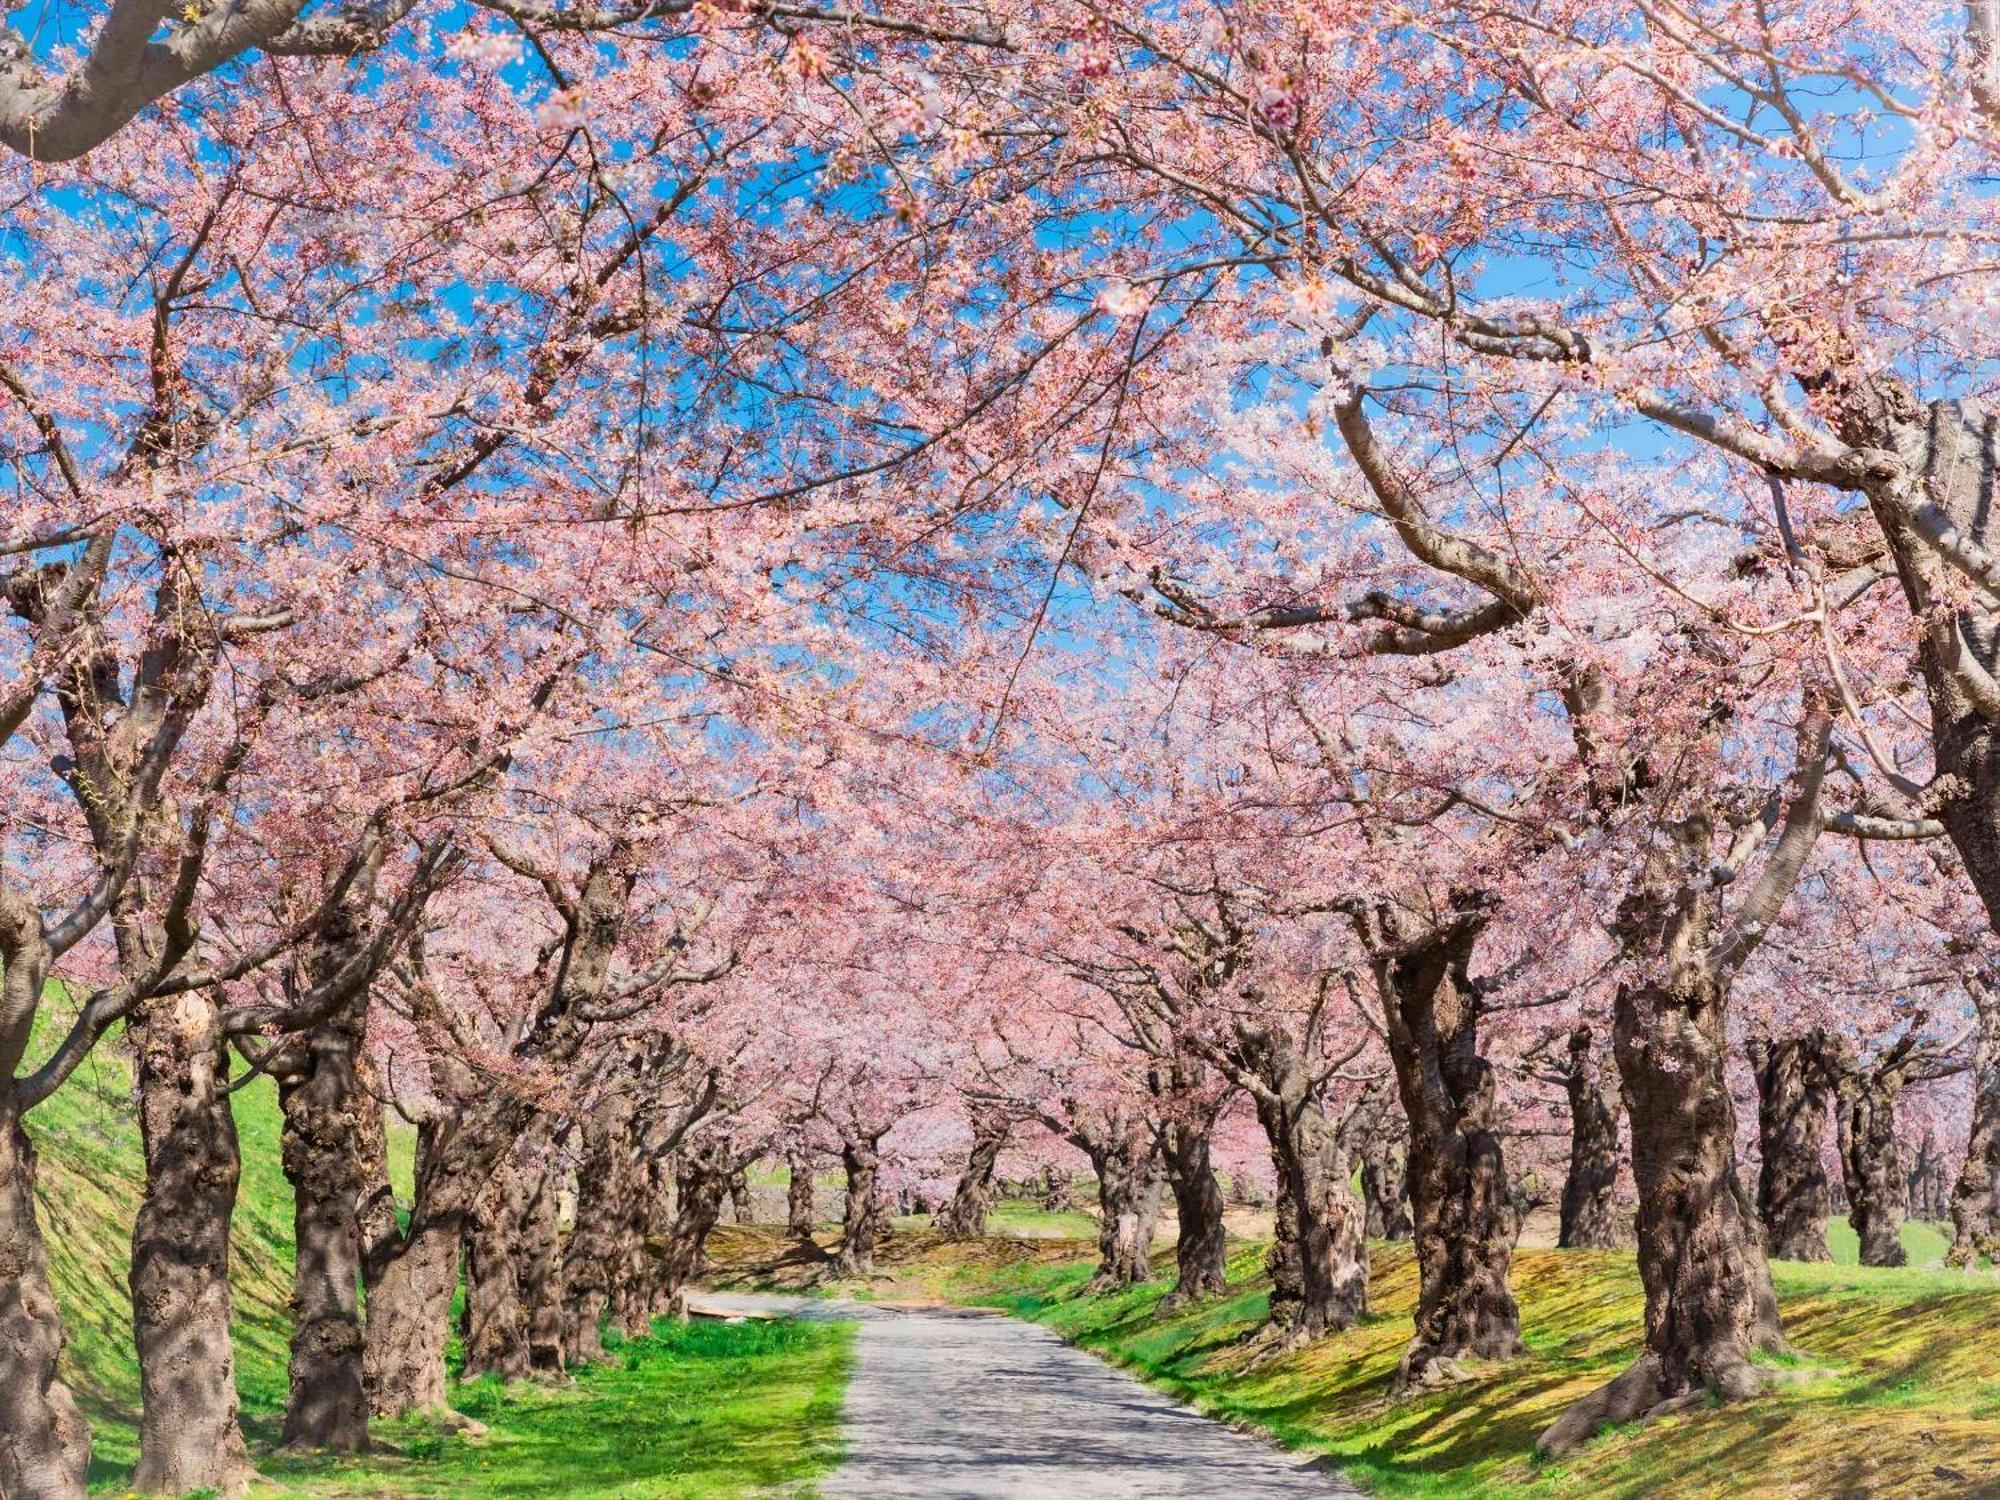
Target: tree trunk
pixel 409 1306
pixel 188 1433
pixel 862 1218
pixel 741 1204
pixel 323 1134
pixel 1374 1133
pixel 1709 1300
pixel 801 1213
pixel 1201 1253
pixel 376 1221
pixel 702 1186
pixel 1590 1218
pixel 1058 1192
pixel 496 1321
pixel 1792 1198
pixel 1929 1197
pixel 1870 1158
pixel 605 1189
pixel 1318 1259
pixel 44 1444
pixel 1458 1179
pixel 1975 1197
pixel 1125 1156
pixel 964 1217
pixel 539 1251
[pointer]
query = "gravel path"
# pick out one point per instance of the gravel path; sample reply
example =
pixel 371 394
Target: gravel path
pixel 967 1406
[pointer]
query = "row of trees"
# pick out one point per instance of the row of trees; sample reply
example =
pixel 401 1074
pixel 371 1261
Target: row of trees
pixel 651 587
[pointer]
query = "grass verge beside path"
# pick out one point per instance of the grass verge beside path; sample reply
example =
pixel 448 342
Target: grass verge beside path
pixel 698 1411
pixel 1910 1406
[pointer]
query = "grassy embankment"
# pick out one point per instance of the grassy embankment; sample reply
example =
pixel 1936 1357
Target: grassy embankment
pixel 1909 1406
pixel 706 1410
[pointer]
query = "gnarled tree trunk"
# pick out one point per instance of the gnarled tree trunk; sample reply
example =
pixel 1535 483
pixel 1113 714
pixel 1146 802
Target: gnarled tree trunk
pixel 1930 1197
pixel 496 1320
pixel 1792 1198
pixel 1374 1133
pixel 1589 1216
pixel 866 1213
pixel 1458 1179
pixel 1124 1153
pixel 964 1216
pixel 1201 1251
pixel 44 1445
pixel 700 1189
pixel 742 1205
pixel 801 1210
pixel 605 1189
pixel 409 1305
pixel 1318 1260
pixel 320 1095
pixel 538 1251
pixel 1709 1299
pixel 188 1433
pixel 1975 1196
pixel 1058 1191
pixel 1870 1156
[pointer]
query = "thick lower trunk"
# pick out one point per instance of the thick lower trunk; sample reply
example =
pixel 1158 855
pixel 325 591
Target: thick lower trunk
pixel 964 1217
pixel 1975 1197
pixel 1589 1216
pixel 597 1258
pixel 801 1214
pixel 322 1136
pixel 496 1319
pixel 1374 1134
pixel 188 1433
pixel 1871 1162
pixel 742 1206
pixel 865 1214
pixel 1129 1179
pixel 1930 1195
pixel 1792 1197
pixel 409 1318
pixel 1058 1192
pixel 702 1186
pixel 44 1445
pixel 376 1221
pixel 1318 1261
pixel 1458 1180
pixel 538 1249
pixel 1201 1252
pixel 1709 1300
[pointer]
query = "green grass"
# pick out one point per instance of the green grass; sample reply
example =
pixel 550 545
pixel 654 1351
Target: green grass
pixel 705 1410
pixel 699 1411
pixel 1925 1244
pixel 1895 1393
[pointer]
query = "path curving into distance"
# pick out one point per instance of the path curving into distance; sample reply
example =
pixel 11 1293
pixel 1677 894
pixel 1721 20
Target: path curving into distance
pixel 949 1405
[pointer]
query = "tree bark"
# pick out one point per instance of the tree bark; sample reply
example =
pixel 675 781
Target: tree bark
pixel 1058 1192
pixel 742 1205
pixel 1975 1197
pixel 801 1211
pixel 863 1217
pixel 964 1217
pixel 496 1320
pixel 409 1307
pixel 1201 1251
pixel 188 1433
pixel 1318 1260
pixel 701 1187
pixel 1792 1198
pixel 605 1189
pixel 44 1444
pixel 1930 1198
pixel 1709 1300
pixel 539 1251
pixel 1458 1179
pixel 1870 1156
pixel 1125 1155
pixel 1373 1132
pixel 1589 1216
pixel 323 1134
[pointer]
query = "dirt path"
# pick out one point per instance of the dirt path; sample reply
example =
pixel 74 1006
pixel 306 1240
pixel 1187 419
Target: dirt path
pixel 963 1406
